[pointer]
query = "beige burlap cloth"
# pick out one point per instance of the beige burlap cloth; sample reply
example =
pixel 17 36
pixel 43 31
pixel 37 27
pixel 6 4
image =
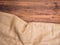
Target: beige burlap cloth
pixel 15 31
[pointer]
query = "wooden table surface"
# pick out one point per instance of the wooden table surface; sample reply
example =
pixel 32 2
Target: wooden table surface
pixel 33 10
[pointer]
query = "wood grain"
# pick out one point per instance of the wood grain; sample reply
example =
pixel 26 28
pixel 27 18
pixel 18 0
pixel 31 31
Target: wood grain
pixel 33 10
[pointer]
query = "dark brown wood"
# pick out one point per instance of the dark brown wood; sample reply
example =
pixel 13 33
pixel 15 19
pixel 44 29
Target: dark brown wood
pixel 33 10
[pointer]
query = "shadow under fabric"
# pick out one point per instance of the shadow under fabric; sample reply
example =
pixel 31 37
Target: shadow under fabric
pixel 15 31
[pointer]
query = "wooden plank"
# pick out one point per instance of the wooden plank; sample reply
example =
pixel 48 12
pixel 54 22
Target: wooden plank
pixel 33 10
pixel 33 0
